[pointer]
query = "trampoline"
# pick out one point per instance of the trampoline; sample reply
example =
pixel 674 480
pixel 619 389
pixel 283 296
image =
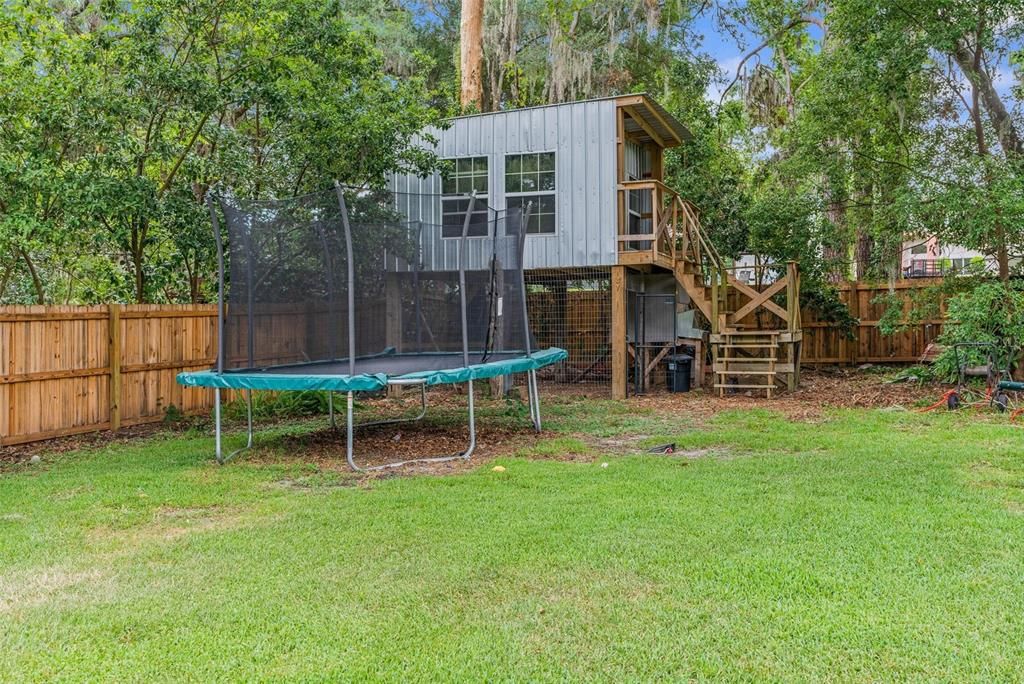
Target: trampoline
pixel 334 292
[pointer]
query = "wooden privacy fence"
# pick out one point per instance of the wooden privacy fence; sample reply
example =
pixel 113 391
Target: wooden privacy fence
pixel 823 343
pixel 66 370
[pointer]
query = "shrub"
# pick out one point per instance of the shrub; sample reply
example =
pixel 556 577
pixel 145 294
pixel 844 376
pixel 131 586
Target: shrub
pixel 990 312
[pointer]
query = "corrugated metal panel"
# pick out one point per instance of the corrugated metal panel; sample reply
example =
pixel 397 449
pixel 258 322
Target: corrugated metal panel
pixel 582 136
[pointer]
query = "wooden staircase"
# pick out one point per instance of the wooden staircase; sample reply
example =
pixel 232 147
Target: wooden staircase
pixel 753 339
pixel 748 355
pixel 747 360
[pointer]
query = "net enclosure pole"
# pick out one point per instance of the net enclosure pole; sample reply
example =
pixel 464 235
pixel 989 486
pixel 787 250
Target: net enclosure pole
pixel 350 275
pixel 218 241
pixel 465 330
pixel 532 393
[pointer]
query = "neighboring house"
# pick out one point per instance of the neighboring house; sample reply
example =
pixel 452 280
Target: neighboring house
pixel 745 270
pixel 594 173
pixel 927 258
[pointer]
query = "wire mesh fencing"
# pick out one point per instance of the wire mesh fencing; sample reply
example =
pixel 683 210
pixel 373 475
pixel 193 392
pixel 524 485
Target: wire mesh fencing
pixel 571 309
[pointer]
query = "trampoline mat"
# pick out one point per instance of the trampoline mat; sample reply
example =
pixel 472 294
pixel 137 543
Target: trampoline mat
pixel 375 372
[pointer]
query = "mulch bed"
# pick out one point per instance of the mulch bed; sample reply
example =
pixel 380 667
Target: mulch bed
pixel 820 390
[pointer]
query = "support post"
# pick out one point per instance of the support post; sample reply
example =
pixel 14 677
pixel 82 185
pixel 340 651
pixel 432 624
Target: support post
pixel 114 352
pixel 618 332
pixel 393 322
pixel 793 322
pixel 792 297
pixel 393 311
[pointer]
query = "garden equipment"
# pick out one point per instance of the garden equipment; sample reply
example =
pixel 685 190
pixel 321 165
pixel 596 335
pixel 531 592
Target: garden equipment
pixel 995 370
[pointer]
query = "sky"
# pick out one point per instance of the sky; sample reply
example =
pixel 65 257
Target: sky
pixel 728 51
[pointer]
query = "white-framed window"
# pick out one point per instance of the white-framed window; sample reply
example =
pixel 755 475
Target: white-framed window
pixel 465 175
pixel 531 178
pixel 920 248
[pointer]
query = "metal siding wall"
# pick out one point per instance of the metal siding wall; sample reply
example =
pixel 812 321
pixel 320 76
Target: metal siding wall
pixel 582 135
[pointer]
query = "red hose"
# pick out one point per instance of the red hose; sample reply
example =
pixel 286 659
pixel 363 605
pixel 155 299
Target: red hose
pixel 940 402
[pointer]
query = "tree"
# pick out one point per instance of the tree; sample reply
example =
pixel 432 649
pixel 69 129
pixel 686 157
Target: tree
pixel 472 54
pixel 117 118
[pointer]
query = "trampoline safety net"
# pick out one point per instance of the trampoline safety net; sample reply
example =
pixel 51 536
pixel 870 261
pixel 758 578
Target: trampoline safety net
pixel 328 276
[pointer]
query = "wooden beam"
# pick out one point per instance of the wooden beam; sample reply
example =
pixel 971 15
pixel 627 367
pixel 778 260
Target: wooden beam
pixel 661 120
pixel 618 332
pixel 642 123
pixel 620 169
pixel 752 293
pixel 763 297
pixel 657 162
pixel 645 237
pixel 629 100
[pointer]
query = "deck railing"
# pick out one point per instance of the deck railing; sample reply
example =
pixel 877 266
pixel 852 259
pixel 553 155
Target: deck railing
pixel 657 222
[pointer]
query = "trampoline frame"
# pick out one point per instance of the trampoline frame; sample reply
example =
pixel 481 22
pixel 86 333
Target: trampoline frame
pixel 533 393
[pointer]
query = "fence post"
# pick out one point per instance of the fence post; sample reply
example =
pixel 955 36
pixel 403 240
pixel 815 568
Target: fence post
pixel 114 353
pixel 854 307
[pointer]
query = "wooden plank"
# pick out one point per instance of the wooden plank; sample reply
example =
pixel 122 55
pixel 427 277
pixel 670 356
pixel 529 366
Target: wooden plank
pixel 53 316
pixel 39 376
pixel 184 364
pixel 752 293
pixel 642 123
pixel 145 315
pixel 618 294
pixel 757 302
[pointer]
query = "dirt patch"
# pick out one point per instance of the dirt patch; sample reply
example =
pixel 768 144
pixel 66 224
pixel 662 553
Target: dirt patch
pixel 28 589
pixel 376 445
pixel 819 392
pixel 171 523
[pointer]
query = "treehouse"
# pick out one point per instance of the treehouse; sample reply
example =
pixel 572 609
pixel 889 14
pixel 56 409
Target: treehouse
pixel 592 173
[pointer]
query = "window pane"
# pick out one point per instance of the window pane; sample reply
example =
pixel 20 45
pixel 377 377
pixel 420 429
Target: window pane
pixel 547 180
pixel 529 162
pixel 480 183
pixel 529 182
pixel 547 161
pixel 480 165
pixel 512 184
pixel 463 165
pixel 448 185
pixel 547 204
pixel 513 164
pixel 547 223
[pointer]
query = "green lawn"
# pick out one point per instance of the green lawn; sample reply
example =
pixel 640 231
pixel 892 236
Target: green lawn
pixel 870 545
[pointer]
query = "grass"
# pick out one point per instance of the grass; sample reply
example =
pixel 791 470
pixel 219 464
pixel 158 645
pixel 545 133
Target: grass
pixel 869 546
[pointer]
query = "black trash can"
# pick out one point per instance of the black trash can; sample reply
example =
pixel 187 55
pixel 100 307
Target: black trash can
pixel 677 372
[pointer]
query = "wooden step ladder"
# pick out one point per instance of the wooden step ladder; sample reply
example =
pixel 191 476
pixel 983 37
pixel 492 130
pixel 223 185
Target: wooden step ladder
pixel 748 358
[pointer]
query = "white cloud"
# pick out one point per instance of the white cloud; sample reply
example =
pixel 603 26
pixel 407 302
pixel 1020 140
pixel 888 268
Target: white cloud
pixel 727 68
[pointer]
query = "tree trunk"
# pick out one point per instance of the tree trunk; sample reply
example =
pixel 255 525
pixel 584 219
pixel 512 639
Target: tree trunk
pixel 472 54
pixel 864 241
pixel 1002 122
pixel 37 283
pixel 1001 252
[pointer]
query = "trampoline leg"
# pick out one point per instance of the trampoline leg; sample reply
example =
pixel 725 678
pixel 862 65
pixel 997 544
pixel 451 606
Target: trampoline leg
pixel 534 393
pixel 418 416
pixel 249 432
pixel 216 425
pixel 472 424
pixel 349 445
pixel 348 435
pixel 330 409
